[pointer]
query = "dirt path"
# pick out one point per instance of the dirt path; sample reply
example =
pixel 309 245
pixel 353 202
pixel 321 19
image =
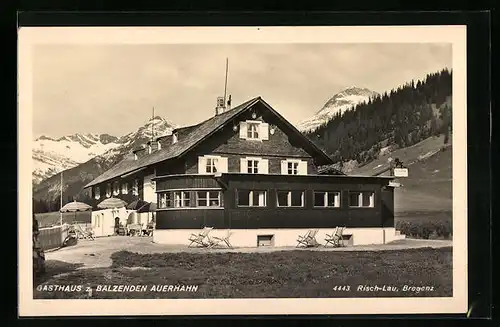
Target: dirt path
pixel 97 253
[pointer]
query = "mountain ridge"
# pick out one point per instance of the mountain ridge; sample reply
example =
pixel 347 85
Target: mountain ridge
pixel 339 103
pixel 53 155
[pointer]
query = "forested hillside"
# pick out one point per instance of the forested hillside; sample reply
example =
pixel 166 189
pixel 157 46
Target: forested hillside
pixel 401 118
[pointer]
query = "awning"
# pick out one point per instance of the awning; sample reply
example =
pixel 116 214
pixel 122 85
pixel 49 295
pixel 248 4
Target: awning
pixel 132 172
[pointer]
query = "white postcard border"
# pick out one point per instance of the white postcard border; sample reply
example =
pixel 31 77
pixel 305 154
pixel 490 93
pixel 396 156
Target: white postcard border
pixel 29 36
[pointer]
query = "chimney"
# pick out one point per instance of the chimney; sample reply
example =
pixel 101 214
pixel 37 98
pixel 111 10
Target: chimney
pixel 220 106
pixel 154 146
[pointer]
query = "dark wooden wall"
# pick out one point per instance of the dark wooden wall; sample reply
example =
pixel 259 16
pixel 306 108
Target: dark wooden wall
pixel 271 216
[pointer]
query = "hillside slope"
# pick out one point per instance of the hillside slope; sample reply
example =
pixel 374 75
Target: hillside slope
pixel 428 186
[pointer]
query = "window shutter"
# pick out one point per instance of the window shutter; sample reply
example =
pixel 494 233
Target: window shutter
pixel 303 167
pixel 243 165
pixel 202 162
pixel 264 131
pixel 222 165
pixel 243 130
pixel 337 199
pixel 284 167
pixel 263 166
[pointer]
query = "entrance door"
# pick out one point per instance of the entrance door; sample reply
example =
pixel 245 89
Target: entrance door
pixel 117 225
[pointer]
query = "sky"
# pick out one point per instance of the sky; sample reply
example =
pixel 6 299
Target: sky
pixel 113 88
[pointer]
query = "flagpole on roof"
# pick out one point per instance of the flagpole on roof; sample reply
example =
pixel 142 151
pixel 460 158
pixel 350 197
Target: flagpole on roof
pixel 152 126
pixel 60 212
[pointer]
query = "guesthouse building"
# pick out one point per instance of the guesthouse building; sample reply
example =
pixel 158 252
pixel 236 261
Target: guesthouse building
pixel 248 170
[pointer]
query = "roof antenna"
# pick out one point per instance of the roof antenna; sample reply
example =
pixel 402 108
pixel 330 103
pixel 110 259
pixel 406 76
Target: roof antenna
pixel 225 84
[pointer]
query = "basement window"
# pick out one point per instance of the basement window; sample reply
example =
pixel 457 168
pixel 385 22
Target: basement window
pixel 361 199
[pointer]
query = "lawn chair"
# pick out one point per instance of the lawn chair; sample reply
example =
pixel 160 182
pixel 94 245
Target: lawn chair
pixel 309 239
pixel 198 239
pixel 336 239
pixel 214 240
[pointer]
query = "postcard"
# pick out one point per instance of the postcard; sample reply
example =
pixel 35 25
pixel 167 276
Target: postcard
pixel 242 170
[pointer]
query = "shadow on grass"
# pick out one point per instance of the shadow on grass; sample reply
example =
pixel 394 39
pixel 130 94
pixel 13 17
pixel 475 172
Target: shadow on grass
pixel 54 268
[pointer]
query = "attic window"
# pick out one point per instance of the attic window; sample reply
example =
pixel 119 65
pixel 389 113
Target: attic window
pixel 254 130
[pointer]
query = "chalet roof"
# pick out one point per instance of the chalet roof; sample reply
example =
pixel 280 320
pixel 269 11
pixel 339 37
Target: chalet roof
pixel 193 135
pixel 198 133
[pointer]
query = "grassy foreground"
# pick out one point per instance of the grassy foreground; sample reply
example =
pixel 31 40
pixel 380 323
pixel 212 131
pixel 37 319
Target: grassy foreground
pixel 281 274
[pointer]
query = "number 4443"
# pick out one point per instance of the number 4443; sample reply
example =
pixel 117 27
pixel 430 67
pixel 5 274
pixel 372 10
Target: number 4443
pixel 345 288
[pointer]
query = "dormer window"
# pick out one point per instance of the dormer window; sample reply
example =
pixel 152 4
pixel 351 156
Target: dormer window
pixel 175 138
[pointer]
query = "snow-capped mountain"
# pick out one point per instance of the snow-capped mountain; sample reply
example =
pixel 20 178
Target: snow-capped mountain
pixel 51 156
pixel 339 103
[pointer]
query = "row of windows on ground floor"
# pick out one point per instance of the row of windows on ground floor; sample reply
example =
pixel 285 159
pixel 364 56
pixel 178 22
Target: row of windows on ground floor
pixel 213 198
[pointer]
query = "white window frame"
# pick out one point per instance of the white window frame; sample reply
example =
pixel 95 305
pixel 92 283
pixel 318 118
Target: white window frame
pixel 208 198
pixel 253 134
pixel 289 199
pixel 360 199
pixel 253 165
pixel 325 199
pixel 250 198
pixel 169 204
pixel 213 165
pixel 97 193
pixel 301 166
pixel 180 199
pixel 294 167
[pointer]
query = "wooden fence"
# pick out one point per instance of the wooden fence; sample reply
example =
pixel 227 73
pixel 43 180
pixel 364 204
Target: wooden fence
pixel 53 237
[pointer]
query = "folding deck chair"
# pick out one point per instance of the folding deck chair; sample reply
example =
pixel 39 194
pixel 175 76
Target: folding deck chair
pixel 336 239
pixel 214 240
pixel 83 234
pixel 199 238
pixel 309 239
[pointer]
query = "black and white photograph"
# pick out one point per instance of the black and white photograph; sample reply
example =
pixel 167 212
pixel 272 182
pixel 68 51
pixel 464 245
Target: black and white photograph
pixel 323 166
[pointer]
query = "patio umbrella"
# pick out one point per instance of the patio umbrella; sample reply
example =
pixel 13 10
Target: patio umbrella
pixel 136 205
pixel 148 207
pixel 112 203
pixel 74 207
